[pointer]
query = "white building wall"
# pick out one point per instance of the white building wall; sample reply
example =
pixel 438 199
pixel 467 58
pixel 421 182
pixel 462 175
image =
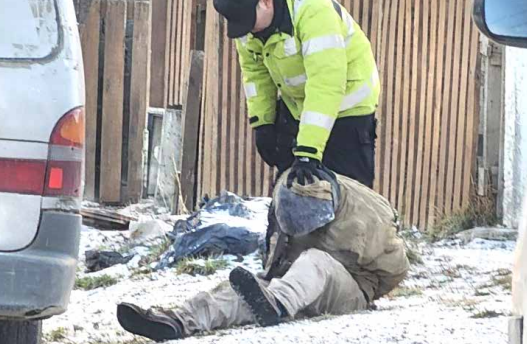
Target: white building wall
pixel 515 135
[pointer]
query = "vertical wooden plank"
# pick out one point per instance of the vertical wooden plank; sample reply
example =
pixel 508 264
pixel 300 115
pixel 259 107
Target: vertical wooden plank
pixel 249 158
pixel 463 101
pixel 437 112
pixel 216 124
pixel 242 156
pixel 185 46
pixel 235 125
pixel 425 201
pixel 356 10
pixel 256 175
pixel 238 132
pixel 159 67
pixel 447 72
pixel 190 125
pixel 139 98
pixel 376 35
pixel 90 51
pixel 178 51
pixel 473 113
pixel 181 48
pixel 128 42
pixel 389 69
pixel 347 5
pixel 406 17
pixel 266 181
pixel 412 151
pixel 186 38
pixel 182 71
pixel 112 111
pixel 263 166
pixel 211 53
pixel 130 10
pixel 397 104
pixel 421 116
pixel 258 172
pixel 376 21
pixel 454 113
pixel 202 127
pixel 366 14
pixel 195 23
pixel 472 117
pixel 382 45
pixel 172 51
pixel 211 39
pixel 185 58
pixel 225 89
pixel 190 9
pixel 233 116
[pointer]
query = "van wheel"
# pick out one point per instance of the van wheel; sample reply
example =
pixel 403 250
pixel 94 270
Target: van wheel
pixel 20 332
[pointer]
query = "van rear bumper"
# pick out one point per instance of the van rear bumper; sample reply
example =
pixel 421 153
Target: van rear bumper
pixel 516 329
pixel 36 282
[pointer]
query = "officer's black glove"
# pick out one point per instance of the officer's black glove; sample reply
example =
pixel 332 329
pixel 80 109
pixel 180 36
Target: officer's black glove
pixel 305 169
pixel 266 143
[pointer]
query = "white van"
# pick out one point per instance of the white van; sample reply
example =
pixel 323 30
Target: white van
pixel 41 162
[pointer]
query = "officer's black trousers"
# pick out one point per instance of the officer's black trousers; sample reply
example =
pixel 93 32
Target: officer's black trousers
pixel 350 150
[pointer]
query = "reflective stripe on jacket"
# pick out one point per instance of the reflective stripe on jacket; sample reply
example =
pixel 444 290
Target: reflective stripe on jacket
pixel 325 71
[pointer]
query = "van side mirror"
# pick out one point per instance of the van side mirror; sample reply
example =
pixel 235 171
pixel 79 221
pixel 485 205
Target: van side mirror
pixel 502 21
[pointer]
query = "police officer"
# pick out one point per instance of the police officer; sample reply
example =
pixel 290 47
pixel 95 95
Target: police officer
pixel 311 84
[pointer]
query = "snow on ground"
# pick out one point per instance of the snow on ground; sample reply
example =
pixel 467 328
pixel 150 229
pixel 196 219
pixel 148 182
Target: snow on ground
pixel 459 294
pixel 257 222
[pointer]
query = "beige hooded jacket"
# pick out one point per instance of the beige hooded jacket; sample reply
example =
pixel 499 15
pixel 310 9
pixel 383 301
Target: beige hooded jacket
pixel 363 237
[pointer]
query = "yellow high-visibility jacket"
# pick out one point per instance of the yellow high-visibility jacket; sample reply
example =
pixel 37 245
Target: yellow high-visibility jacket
pixel 324 71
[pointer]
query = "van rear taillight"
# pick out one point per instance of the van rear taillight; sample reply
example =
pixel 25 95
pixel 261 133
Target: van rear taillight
pixel 22 176
pixel 66 156
pixel 69 131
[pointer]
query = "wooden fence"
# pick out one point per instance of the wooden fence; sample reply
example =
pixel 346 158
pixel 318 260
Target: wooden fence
pixel 228 157
pixel 115 36
pixel 174 30
pixel 427 52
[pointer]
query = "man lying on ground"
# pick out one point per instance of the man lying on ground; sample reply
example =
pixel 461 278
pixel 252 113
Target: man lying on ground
pixel 333 249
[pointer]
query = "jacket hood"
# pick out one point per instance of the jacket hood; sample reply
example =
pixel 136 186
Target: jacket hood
pixel 301 210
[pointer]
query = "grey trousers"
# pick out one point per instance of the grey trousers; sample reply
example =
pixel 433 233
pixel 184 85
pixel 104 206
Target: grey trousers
pixel 315 284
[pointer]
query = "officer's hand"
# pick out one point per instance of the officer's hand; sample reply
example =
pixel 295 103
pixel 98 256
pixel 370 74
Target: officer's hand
pixel 266 143
pixel 305 169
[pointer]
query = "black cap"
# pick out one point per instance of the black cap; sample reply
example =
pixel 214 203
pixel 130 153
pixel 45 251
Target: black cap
pixel 240 15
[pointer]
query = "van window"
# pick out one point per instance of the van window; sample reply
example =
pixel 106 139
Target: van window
pixel 29 29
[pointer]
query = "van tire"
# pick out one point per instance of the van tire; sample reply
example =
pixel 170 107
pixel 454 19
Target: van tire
pixel 20 332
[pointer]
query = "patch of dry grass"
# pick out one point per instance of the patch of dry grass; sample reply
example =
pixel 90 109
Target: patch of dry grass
pixel 405 292
pixel 486 314
pixel 56 335
pixel 204 267
pixel 481 211
pixel 90 283
pixel 156 252
pixel 468 304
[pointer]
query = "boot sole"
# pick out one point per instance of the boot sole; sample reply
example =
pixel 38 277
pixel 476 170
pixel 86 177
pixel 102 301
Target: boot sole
pixel 248 288
pixel 132 320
